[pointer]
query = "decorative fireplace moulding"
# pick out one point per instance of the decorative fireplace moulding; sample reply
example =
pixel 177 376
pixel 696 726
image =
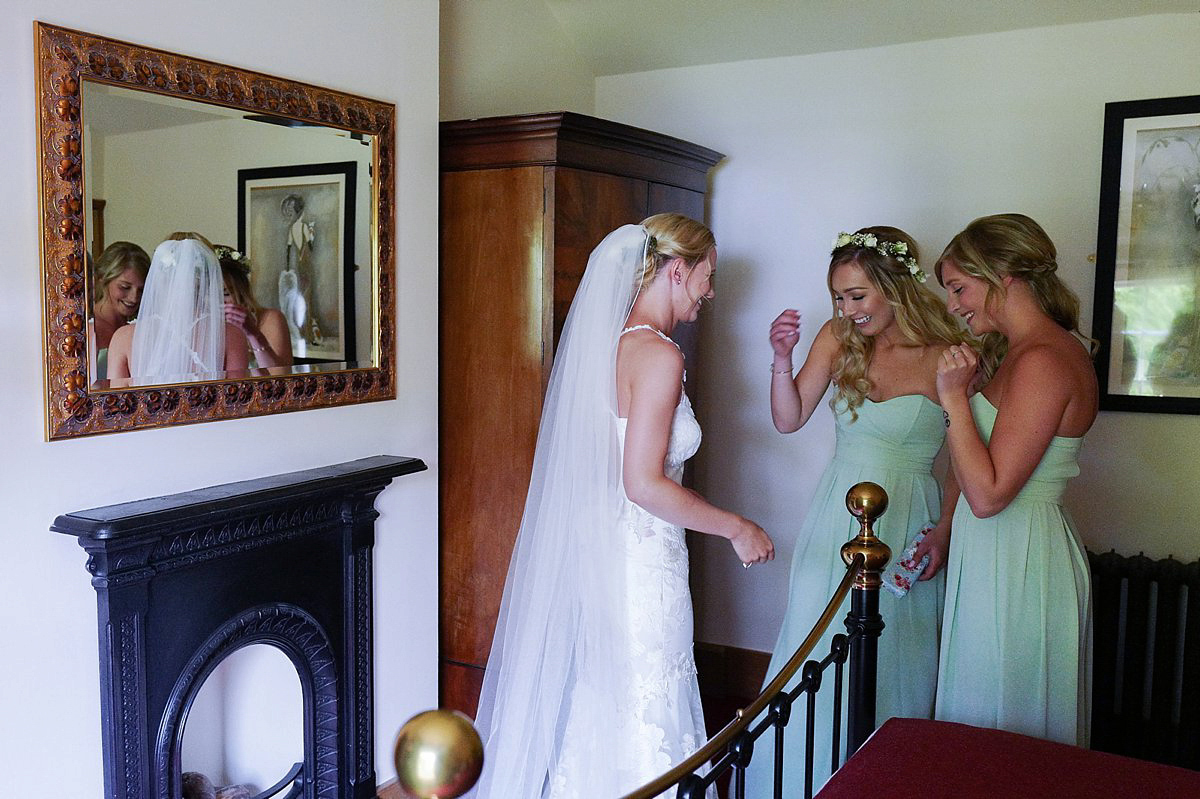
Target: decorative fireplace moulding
pixel 182 581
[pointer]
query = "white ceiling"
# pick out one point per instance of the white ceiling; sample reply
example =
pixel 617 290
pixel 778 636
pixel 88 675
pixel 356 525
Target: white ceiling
pixel 622 36
pixel 111 110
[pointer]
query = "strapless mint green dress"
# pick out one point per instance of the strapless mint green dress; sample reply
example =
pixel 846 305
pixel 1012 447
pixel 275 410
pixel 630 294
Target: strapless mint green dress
pixel 892 443
pixel 1016 635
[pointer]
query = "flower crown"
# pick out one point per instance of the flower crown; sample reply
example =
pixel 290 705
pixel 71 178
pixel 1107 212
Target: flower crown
pixel 892 249
pixel 229 254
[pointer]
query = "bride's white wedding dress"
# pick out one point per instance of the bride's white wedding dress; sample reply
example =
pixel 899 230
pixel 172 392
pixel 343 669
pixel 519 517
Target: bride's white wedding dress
pixel 590 689
pixel 658 699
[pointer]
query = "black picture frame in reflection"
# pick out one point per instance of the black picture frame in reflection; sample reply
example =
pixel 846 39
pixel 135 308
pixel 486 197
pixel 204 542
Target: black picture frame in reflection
pixel 296 226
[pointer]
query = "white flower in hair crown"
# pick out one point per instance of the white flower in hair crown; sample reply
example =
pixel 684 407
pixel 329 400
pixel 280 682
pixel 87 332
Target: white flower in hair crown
pixel 224 252
pixel 892 249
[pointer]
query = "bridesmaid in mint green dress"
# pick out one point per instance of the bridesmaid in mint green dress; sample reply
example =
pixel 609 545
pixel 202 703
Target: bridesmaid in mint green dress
pixel 1016 635
pixel 880 351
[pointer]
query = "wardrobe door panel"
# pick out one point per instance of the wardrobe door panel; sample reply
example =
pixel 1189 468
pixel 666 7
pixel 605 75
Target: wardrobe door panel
pixel 664 198
pixel 586 207
pixel 459 686
pixel 490 390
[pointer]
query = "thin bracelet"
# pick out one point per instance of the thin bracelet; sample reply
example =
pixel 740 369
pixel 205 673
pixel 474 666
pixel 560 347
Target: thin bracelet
pixel 775 371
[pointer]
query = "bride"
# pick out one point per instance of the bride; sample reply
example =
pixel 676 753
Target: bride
pixel 590 687
pixel 180 333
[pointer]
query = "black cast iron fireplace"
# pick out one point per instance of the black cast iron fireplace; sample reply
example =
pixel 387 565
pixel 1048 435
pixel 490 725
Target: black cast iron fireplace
pixel 183 581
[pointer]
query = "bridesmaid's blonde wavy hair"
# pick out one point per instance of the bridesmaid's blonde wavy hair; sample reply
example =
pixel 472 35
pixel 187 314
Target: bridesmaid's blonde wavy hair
pixel 992 248
pixel 920 314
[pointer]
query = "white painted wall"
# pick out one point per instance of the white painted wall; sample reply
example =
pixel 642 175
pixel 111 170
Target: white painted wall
pixel 246 724
pixel 504 57
pixel 49 682
pixel 924 136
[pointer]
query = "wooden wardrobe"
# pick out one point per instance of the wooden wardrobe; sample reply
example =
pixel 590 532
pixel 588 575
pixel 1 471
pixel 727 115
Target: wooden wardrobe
pixel 524 200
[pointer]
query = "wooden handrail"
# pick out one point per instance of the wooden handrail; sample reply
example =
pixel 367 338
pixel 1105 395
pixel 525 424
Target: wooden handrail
pixel 745 716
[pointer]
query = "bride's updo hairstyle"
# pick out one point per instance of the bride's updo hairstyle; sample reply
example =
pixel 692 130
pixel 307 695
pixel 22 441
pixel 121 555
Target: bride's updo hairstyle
pixel 183 235
pixel 992 248
pixel 673 236
pixel 920 314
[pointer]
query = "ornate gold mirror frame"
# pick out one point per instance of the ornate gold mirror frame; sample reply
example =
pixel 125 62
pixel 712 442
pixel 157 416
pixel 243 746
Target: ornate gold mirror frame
pixel 65 59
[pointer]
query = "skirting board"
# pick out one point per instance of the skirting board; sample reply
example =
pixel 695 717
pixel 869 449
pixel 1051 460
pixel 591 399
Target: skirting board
pixel 729 671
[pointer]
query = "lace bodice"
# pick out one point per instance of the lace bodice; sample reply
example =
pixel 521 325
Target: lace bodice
pixel 684 441
pixel 685 430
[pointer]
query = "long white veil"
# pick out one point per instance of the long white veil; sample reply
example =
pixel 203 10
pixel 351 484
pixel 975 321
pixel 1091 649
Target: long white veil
pixel 180 329
pixel 562 637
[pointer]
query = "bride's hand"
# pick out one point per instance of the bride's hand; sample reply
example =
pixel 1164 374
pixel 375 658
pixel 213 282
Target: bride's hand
pixel 752 544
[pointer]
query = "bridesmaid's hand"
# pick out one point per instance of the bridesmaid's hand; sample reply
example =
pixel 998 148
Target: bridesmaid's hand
pixel 785 334
pixel 956 370
pixel 240 318
pixel 935 544
pixel 752 544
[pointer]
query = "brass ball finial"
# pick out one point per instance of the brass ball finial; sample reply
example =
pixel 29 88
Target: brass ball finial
pixel 438 755
pixel 866 501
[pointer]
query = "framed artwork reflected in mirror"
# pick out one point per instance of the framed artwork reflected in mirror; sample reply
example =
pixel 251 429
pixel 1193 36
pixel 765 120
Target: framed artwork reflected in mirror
pixel 296 229
pixel 136 144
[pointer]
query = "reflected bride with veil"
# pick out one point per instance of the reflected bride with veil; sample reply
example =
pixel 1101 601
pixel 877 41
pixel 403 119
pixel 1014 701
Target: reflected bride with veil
pixel 180 333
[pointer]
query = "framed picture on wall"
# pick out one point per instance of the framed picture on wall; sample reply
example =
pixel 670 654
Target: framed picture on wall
pixel 296 225
pixel 1147 301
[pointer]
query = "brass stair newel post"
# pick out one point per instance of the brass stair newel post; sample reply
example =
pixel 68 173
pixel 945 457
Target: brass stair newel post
pixel 866 502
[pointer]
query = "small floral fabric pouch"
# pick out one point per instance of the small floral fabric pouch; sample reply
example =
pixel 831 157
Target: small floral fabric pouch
pixel 902 573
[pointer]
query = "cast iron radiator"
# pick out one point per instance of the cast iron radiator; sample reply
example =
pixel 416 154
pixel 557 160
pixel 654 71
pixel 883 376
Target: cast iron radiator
pixel 1146 658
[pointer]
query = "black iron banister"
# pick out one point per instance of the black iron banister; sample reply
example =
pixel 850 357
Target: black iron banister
pixel 866 502
pixel 746 716
pixel 865 557
pixel 864 647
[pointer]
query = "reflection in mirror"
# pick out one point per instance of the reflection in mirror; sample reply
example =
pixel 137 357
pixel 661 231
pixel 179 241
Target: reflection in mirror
pixel 135 143
pixel 288 205
pixel 251 702
pixel 118 277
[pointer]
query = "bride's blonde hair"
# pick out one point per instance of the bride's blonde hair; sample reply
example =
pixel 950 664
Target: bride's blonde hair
pixel 673 236
pixel 920 314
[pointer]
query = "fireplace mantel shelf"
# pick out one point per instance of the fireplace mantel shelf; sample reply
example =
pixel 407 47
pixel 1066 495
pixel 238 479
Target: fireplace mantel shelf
pixel 143 515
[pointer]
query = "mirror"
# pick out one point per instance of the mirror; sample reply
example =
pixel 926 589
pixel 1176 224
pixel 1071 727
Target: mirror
pixel 291 183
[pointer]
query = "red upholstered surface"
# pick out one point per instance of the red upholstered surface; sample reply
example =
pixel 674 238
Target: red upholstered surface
pixel 918 758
